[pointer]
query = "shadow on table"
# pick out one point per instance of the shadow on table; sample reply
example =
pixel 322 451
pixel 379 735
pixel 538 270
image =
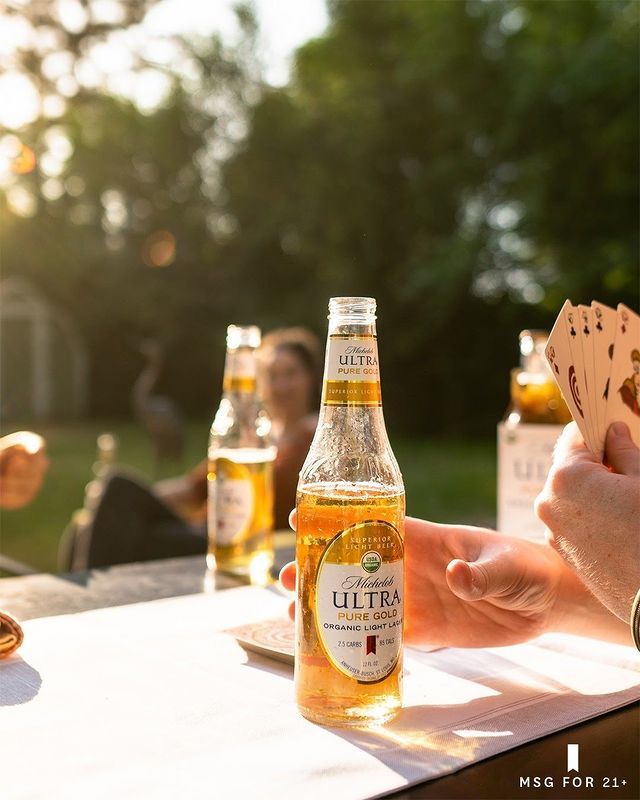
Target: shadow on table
pixel 19 681
pixel 270 665
pixel 505 705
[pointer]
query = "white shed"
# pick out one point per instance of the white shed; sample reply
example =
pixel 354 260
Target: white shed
pixel 43 358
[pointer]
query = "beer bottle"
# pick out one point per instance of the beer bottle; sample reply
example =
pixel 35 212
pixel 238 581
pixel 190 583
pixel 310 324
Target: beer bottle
pixel 240 474
pixel 350 538
pixel 526 438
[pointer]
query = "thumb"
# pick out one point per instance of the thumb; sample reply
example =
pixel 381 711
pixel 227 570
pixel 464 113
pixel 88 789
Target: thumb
pixel 477 580
pixel 620 451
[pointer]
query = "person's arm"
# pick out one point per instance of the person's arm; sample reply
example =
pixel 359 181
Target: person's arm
pixel 471 587
pixel 186 494
pixel 579 612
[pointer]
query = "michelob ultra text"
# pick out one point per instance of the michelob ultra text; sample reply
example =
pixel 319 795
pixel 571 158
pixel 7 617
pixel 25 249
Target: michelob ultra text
pixel 350 538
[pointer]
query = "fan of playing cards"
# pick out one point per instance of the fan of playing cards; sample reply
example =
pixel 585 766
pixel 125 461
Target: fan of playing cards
pixel 594 353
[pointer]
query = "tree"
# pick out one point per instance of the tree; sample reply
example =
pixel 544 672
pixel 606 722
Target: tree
pixel 469 164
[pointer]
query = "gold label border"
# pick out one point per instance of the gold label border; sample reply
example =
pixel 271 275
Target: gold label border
pixel 363 393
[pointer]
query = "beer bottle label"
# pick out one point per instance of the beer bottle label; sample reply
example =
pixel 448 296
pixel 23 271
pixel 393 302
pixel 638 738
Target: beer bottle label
pixel 352 373
pixel 525 455
pixel 359 600
pixel 230 505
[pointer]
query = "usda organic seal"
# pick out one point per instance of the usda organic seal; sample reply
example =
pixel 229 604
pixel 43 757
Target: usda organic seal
pixel 371 561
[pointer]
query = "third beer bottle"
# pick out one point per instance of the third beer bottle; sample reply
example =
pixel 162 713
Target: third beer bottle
pixel 350 538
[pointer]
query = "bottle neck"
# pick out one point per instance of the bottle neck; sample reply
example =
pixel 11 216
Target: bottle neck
pixel 240 372
pixel 351 370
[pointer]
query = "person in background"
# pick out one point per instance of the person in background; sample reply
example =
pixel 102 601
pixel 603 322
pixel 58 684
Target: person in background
pixel 290 363
pixel 471 587
pixel 23 465
pixel 133 521
pixel 291 360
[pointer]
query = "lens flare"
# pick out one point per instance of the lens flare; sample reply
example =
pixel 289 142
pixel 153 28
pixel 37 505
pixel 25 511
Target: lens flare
pixel 159 249
pixel 24 162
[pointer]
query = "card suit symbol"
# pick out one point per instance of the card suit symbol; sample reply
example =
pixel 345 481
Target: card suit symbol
pixel 575 392
pixel 555 366
pixel 586 330
pixel 623 328
pixel 599 326
pixel 573 331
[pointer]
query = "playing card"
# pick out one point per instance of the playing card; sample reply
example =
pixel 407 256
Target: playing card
pixel 623 404
pixel 585 334
pixel 568 375
pixel 603 332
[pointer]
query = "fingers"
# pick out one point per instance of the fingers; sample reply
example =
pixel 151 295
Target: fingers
pixel 492 576
pixel 288 572
pixel 621 452
pixel 571 447
pixel 288 576
pixel 287 579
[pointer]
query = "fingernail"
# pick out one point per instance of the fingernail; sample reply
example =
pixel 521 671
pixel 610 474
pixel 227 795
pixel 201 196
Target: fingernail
pixel 619 429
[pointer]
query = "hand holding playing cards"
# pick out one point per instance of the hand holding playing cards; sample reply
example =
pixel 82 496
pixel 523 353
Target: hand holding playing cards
pixel 471 587
pixel 593 514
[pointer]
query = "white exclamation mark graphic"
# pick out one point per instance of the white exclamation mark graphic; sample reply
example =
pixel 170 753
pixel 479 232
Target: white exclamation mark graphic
pixel 573 757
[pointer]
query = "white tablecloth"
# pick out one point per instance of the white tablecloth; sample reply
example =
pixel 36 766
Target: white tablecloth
pixel 153 701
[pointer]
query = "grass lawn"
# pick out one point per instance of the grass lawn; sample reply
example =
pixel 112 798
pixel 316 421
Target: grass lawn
pixel 446 481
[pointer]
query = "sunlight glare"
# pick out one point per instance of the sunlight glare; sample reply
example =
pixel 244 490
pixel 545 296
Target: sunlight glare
pixel 72 15
pixel 19 100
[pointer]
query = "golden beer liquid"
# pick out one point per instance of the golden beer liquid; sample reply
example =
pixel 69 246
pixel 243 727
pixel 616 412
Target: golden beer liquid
pixel 250 552
pixel 323 693
pixel 538 402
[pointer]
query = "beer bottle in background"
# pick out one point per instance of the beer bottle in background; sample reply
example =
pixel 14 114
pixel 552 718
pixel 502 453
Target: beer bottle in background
pixel 349 541
pixel 526 438
pixel 240 475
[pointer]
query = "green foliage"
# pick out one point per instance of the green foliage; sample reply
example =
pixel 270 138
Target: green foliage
pixel 470 164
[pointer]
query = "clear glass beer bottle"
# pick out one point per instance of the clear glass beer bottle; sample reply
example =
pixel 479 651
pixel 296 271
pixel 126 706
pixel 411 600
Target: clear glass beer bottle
pixel 526 438
pixel 350 538
pixel 240 474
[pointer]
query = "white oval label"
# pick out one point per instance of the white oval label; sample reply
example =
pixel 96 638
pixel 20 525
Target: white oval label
pixel 360 600
pixel 230 504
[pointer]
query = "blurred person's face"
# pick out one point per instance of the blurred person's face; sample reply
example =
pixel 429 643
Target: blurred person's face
pixel 288 384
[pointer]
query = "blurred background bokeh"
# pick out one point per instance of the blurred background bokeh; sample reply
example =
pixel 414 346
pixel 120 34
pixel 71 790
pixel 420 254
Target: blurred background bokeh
pixel 168 167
